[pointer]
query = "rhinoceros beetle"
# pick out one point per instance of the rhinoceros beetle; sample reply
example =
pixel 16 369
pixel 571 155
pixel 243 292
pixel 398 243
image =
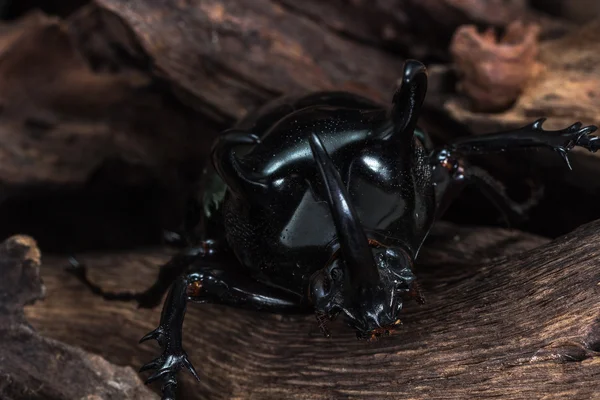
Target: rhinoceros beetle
pixel 320 204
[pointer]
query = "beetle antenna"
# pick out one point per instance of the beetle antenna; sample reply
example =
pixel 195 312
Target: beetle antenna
pixel 408 99
pixel 229 166
pixel 362 269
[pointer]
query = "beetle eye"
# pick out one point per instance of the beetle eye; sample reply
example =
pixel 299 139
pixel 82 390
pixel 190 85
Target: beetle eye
pixel 336 274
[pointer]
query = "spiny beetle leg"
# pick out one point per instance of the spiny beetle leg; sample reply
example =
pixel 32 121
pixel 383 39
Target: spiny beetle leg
pixel 217 282
pixel 532 135
pixel 169 337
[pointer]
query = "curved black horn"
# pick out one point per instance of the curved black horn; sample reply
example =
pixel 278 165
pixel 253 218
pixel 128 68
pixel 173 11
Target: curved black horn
pixel 228 166
pixel 353 241
pixel 408 99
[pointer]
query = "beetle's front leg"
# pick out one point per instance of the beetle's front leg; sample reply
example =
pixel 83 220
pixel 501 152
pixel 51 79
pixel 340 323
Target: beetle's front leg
pixel 209 284
pixel 453 172
pixel 532 135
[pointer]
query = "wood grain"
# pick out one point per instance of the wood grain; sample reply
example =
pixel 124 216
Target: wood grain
pixel 35 367
pixel 508 314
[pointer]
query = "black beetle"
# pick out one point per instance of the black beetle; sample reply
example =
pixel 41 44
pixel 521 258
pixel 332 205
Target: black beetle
pixel 320 204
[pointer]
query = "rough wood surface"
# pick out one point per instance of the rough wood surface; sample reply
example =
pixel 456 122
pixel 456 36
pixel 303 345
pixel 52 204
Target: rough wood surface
pixel 507 314
pixel 228 57
pixel 35 367
pixel 494 73
pixel 565 89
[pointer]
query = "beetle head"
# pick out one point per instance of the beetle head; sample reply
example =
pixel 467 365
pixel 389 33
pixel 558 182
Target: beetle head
pixel 372 310
pixel 365 280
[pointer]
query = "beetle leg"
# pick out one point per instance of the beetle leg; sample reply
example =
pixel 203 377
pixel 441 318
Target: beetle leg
pixel 453 174
pixel 169 337
pixel 532 135
pixel 209 284
pixel 152 296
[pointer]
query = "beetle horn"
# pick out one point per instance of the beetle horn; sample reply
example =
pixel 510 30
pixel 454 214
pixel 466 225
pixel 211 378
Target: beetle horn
pixel 408 99
pixel 229 166
pixel 354 245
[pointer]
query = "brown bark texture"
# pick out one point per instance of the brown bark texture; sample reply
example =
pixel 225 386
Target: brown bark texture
pixel 107 114
pixel 507 314
pixel 37 367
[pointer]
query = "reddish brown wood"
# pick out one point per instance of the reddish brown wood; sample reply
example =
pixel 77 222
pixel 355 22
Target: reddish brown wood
pixel 507 314
pixel 35 367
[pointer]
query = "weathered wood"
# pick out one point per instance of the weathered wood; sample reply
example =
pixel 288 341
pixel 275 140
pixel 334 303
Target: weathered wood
pixel 34 367
pixel 565 87
pixel 507 314
pixel 494 73
pixel 72 137
pixel 228 57
pixel 405 26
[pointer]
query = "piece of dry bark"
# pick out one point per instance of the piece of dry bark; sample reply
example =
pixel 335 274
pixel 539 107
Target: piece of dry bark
pixel 226 58
pixel 507 314
pixel 567 88
pixel 493 73
pixel 34 367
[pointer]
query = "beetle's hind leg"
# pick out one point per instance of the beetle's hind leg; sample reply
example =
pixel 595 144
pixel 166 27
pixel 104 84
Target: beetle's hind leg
pixel 217 281
pixel 453 174
pixel 152 296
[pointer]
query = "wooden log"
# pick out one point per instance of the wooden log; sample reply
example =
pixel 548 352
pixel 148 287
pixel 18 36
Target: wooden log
pixel 226 58
pixel 35 367
pixel 508 315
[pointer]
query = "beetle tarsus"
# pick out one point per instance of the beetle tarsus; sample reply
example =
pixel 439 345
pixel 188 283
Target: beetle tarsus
pixel 169 337
pixel 168 391
pixel 531 135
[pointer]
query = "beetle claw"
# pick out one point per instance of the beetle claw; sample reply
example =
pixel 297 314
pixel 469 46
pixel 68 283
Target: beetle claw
pixel 156 376
pixel 191 368
pixel 167 366
pixel 156 334
pixel 151 365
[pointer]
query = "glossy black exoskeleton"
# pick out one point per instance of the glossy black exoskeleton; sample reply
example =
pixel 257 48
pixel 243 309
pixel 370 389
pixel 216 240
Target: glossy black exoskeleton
pixel 321 204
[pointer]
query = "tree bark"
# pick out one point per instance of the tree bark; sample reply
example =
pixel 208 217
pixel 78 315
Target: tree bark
pixel 35 367
pixel 507 314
